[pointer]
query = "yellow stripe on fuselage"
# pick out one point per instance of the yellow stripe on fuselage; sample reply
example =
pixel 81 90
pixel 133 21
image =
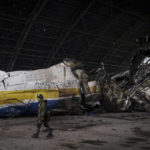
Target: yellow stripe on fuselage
pixel 14 97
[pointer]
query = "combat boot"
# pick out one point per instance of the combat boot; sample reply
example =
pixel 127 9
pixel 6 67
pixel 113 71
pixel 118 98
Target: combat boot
pixel 50 134
pixel 36 135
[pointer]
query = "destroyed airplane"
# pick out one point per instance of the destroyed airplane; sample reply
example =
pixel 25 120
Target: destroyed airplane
pixel 66 86
pixel 129 90
pixel 63 85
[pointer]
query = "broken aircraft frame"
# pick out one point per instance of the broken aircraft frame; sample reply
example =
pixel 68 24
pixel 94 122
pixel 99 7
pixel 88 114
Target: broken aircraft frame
pixel 58 84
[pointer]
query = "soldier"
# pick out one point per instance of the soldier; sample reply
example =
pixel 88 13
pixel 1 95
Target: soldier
pixel 42 116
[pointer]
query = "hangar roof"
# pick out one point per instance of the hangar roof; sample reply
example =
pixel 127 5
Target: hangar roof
pixel 40 33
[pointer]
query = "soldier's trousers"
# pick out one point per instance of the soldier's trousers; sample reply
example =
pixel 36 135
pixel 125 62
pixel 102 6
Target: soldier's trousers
pixel 45 123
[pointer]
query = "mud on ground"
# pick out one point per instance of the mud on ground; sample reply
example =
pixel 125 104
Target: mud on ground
pixel 120 131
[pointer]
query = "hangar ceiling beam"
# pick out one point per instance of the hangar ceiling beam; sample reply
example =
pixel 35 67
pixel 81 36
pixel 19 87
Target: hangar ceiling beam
pixel 132 29
pixel 126 11
pixel 64 34
pixel 130 53
pixel 34 14
pixel 105 38
pixel 101 34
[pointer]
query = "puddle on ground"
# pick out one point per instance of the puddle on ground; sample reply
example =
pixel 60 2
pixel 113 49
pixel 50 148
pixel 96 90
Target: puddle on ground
pixel 75 127
pixel 70 145
pixel 133 140
pixel 125 145
pixel 145 147
pixel 128 117
pixel 93 142
pixel 139 132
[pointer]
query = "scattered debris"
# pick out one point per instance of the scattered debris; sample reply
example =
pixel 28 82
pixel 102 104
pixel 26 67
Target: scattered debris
pixel 130 90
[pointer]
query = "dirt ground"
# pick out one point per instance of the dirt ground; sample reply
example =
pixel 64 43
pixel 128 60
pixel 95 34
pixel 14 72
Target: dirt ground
pixel 121 131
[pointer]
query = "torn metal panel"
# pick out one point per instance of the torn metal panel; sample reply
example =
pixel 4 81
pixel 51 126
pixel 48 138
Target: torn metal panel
pixel 124 91
pixel 3 75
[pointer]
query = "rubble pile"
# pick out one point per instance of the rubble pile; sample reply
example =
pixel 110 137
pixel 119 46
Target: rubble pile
pixel 128 90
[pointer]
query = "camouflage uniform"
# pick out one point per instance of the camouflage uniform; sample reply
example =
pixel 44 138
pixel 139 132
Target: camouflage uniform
pixel 42 118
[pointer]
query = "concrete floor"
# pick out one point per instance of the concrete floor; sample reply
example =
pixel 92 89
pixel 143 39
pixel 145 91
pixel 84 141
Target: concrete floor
pixel 122 131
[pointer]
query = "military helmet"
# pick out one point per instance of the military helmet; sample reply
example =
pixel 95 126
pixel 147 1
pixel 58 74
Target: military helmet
pixel 40 96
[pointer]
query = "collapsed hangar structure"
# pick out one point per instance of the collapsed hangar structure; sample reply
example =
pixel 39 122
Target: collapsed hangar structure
pixel 57 35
